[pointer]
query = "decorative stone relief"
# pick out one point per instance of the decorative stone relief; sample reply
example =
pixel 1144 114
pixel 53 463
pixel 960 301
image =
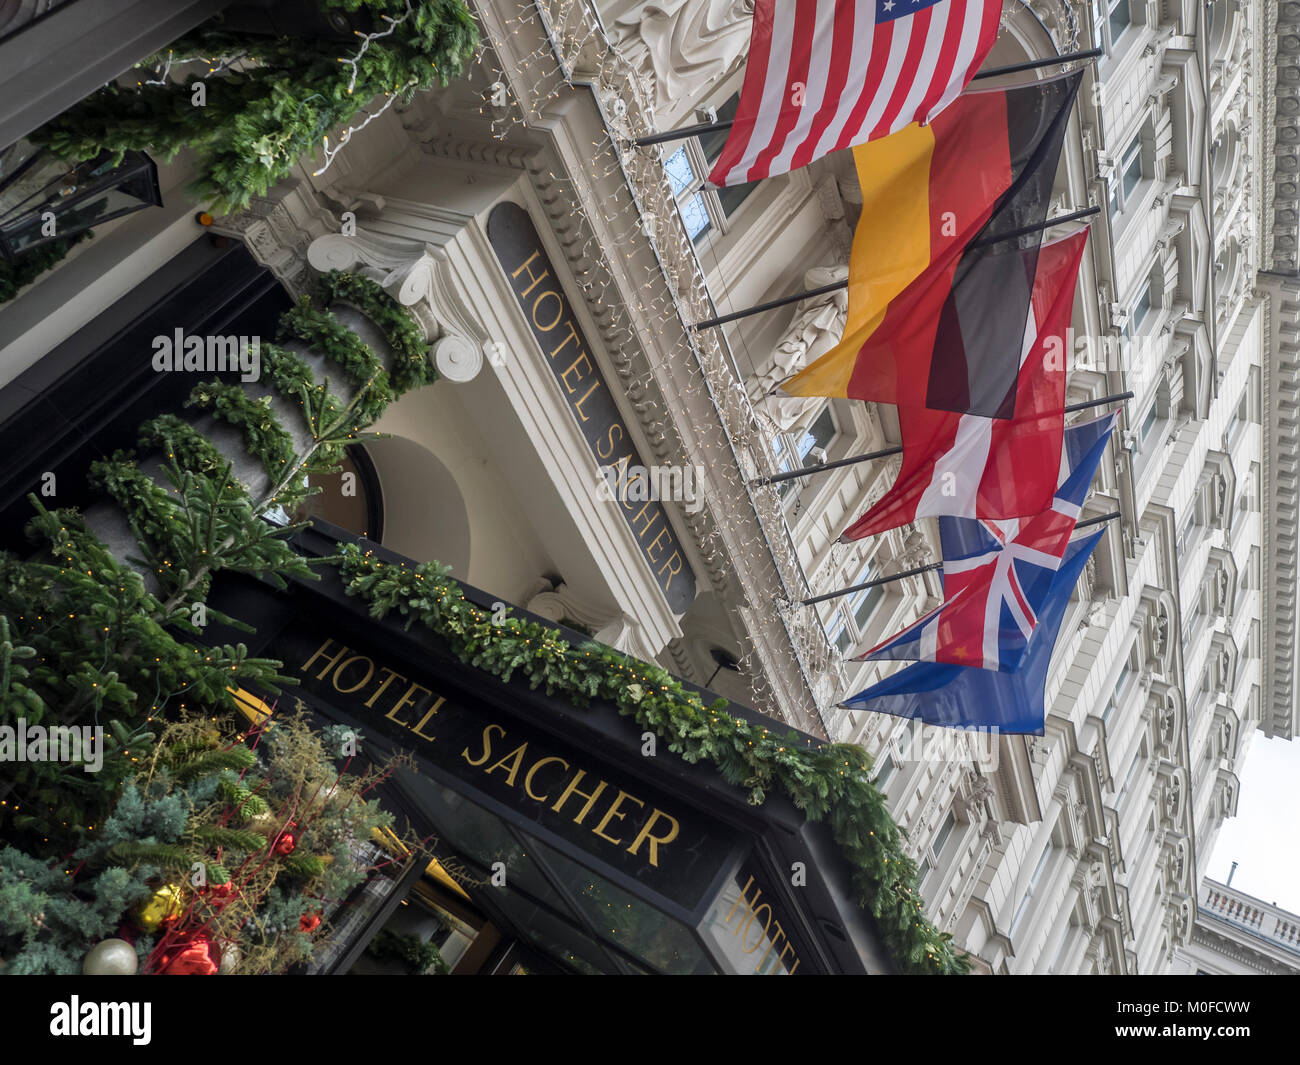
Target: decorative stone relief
pixel 817 327
pixel 684 45
pixel 559 604
pixel 418 278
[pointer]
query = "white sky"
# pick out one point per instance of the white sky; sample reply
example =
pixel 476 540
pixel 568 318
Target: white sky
pixel 1264 837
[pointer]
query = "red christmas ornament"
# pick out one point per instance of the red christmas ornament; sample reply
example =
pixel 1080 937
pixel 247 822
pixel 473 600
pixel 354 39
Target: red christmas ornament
pixel 309 922
pixel 194 960
pixel 284 845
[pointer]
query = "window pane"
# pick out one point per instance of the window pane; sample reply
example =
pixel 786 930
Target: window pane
pixel 695 216
pixel 1143 307
pixel 680 174
pixel 1132 174
pixel 870 600
pixel 887 769
pixel 1119 20
pixel 843 639
pixel 945 830
pixel 819 434
pixel 1147 424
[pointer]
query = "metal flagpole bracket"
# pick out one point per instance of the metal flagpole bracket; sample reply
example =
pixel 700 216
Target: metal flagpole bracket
pixel 872 584
pixel 835 286
pixel 1038 64
pixel 822 467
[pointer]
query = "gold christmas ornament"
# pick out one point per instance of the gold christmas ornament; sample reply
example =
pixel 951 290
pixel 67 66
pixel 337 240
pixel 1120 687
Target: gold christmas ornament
pixel 162 904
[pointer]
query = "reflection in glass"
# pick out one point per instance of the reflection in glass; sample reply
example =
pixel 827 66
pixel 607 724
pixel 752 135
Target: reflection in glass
pixel 635 925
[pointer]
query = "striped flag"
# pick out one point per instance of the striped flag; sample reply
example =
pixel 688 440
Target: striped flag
pixel 945 254
pixel 968 466
pixel 827 74
pixel 996 575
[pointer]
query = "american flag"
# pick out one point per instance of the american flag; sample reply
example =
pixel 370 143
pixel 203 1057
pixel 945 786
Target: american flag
pixel 996 575
pixel 827 74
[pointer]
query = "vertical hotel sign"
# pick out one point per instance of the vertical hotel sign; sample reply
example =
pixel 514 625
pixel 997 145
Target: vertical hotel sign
pixel 543 302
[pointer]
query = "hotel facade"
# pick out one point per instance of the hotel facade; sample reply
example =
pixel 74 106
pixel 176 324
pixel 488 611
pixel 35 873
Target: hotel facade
pixel 558 269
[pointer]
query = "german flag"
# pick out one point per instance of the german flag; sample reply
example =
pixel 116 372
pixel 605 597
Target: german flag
pixel 945 254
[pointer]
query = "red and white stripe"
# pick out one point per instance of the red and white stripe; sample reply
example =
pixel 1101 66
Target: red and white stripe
pixel 861 79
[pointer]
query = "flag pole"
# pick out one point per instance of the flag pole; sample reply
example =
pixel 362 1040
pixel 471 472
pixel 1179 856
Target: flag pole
pixel 1036 64
pixel 808 471
pixel 835 286
pixel 925 569
pixel 704 128
pixel 1047 223
pixel 871 584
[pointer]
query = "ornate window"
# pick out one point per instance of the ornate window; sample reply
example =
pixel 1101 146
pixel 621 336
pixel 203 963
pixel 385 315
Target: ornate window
pixel 704 210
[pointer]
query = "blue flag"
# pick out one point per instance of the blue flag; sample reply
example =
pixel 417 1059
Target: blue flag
pixel 968 697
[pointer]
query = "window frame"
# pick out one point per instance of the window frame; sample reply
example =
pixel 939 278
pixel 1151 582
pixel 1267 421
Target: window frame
pixel 720 220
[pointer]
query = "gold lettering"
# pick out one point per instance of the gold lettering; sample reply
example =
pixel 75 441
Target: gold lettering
pixel 647 833
pixel 676 557
pixel 535 280
pixel 370 672
pixel 743 897
pixel 779 934
pixel 369 703
pixel 572 335
pixel 610 437
pixel 328 665
pixel 564 377
pixel 790 948
pixel 753 914
pixel 578 403
pixel 516 756
pixel 528 777
pixel 487 746
pixel 572 789
pixel 613 812
pixel 649 521
pixel 406 700
pixel 425 720
pixel 650 547
pixel 559 310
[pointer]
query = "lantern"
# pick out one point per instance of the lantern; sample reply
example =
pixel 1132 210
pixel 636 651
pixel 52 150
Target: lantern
pixel 44 198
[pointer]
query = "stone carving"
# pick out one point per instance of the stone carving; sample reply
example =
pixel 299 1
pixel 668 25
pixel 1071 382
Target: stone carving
pixel 689 44
pixel 1168 722
pixel 558 603
pixel 1160 633
pixel 817 326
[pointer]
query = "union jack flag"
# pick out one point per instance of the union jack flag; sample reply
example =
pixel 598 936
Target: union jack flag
pixel 997 574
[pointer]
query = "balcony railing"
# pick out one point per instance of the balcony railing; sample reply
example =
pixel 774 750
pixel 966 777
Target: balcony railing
pixel 1282 930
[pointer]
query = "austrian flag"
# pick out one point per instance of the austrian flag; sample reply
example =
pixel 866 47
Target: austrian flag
pixel 827 74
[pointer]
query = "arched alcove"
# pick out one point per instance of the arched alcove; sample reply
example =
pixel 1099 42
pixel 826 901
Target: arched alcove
pixel 425 516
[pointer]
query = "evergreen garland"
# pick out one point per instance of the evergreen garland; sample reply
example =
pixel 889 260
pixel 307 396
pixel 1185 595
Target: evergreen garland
pixel 325 334
pixel 271 100
pixel 412 367
pixel 826 781
pixel 264 437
